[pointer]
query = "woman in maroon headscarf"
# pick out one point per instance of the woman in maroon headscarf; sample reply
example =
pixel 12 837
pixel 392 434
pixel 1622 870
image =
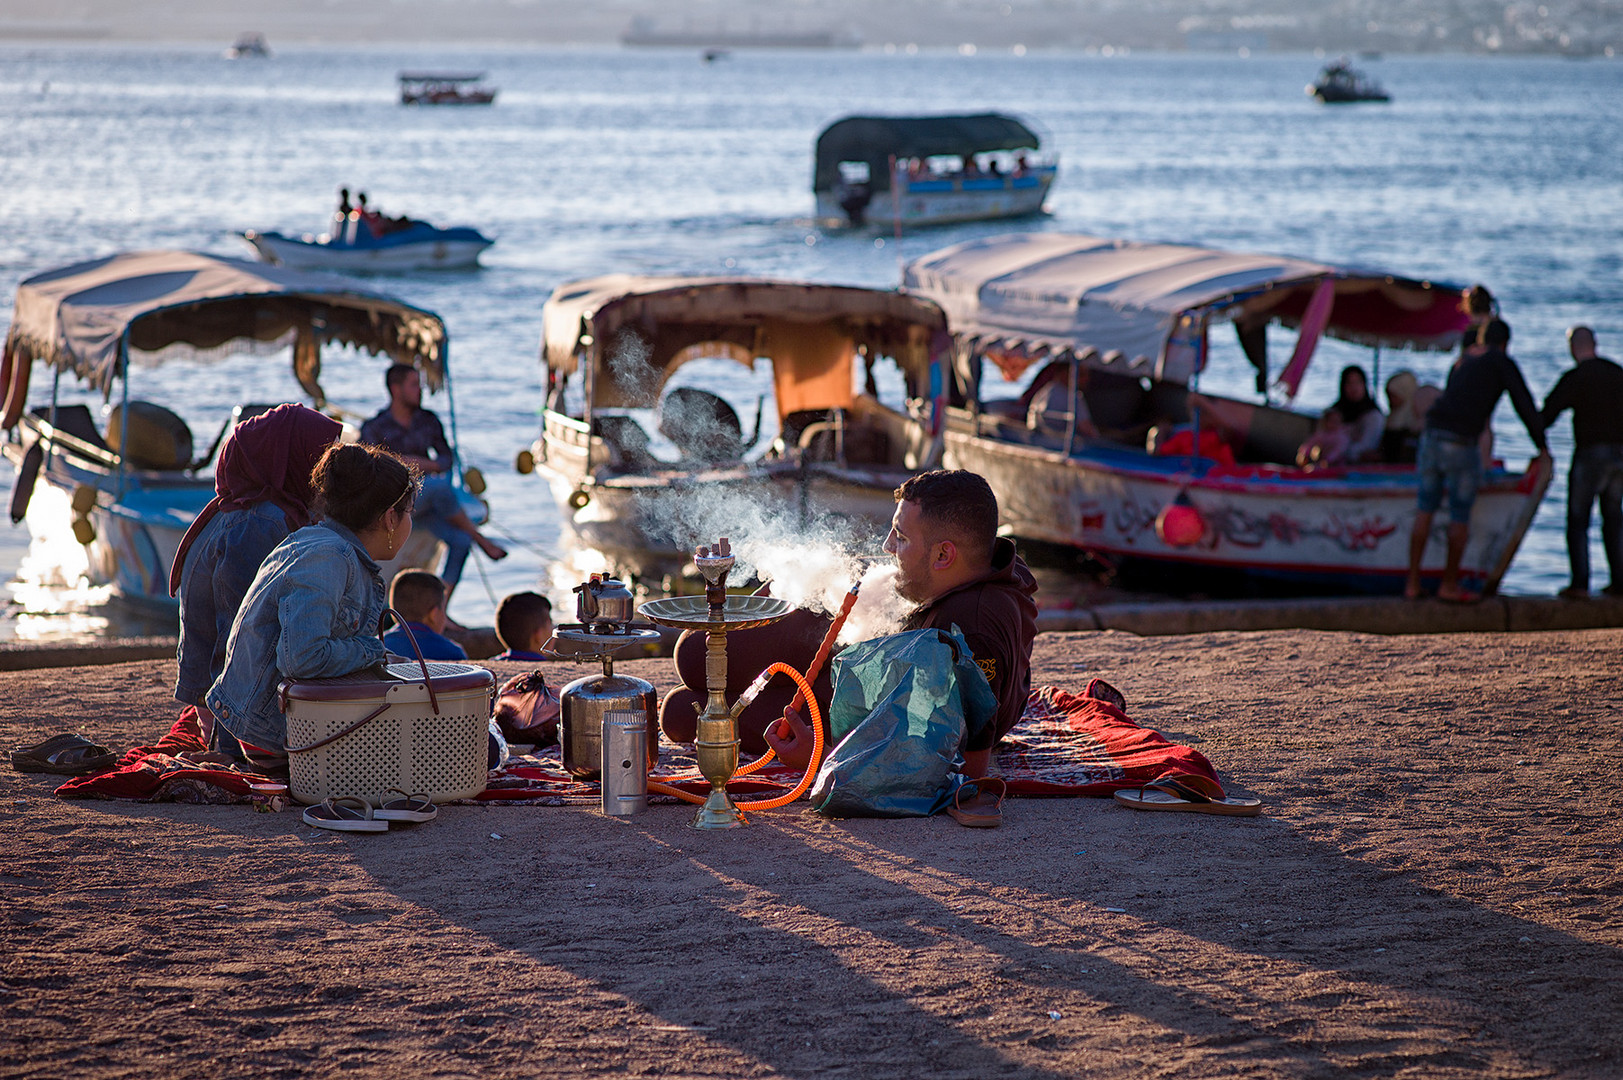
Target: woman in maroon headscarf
pixel 263 493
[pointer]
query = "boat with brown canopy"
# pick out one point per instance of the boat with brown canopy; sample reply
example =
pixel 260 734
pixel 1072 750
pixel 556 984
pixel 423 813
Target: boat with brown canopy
pixel 647 380
pixel 111 504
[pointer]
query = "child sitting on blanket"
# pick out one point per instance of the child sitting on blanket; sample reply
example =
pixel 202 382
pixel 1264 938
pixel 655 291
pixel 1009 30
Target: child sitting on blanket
pixel 313 609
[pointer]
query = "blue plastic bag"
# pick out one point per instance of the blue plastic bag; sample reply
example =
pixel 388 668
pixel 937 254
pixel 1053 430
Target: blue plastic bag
pixel 903 707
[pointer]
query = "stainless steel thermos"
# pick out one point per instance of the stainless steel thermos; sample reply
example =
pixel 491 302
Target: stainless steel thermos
pixel 625 763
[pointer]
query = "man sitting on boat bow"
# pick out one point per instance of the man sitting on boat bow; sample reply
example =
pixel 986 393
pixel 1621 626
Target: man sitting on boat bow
pixel 416 434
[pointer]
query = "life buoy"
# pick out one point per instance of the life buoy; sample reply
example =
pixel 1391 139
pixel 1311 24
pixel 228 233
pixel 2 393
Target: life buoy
pixel 27 476
pixel 14 371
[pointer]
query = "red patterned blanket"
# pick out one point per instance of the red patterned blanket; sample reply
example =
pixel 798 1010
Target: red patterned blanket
pixel 1065 744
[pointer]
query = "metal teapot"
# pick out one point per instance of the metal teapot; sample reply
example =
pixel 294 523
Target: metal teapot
pixel 604 604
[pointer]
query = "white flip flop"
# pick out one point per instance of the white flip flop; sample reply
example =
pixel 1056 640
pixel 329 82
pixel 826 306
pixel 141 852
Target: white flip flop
pixel 344 814
pixel 418 807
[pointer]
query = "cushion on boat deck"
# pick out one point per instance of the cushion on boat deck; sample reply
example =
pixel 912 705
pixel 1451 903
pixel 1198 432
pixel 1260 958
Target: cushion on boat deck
pixel 157 439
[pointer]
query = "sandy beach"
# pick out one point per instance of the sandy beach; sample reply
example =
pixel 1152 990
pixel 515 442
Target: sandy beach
pixel 1433 891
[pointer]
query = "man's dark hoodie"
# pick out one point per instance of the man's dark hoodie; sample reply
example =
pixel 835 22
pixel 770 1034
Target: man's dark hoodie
pixel 998 618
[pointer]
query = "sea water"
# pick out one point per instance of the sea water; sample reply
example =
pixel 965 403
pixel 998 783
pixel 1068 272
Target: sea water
pixel 601 160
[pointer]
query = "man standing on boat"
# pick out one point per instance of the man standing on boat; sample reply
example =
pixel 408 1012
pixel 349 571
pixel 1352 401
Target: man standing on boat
pixel 1450 458
pixel 416 435
pixel 1593 390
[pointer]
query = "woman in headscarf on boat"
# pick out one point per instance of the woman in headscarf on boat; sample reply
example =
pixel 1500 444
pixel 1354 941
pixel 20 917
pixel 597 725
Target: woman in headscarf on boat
pixel 1361 416
pixel 262 493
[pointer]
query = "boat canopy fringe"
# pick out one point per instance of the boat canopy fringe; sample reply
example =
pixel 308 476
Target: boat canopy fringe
pixel 636 332
pixel 166 304
pixel 876 139
pixel 1145 309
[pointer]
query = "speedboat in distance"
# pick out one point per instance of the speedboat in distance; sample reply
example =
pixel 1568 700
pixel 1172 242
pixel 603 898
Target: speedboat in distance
pixel 364 240
pixel 1340 84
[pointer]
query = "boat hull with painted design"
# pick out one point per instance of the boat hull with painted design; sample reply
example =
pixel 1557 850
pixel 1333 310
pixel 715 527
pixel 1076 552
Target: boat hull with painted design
pixel 1342 528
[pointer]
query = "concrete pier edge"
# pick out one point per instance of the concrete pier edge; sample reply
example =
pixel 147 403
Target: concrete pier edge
pixel 1368 615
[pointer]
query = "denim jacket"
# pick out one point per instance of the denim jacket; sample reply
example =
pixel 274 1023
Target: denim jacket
pixel 312 612
pixel 220 566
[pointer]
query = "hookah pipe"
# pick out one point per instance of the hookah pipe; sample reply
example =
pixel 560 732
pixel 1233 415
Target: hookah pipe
pixel 815 668
pixel 803 697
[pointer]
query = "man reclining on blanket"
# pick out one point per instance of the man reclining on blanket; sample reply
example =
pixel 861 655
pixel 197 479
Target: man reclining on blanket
pixel 953 566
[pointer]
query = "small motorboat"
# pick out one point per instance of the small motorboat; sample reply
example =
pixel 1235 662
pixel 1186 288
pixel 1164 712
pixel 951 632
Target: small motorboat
pixel 1340 83
pixel 249 46
pixel 444 88
pixel 367 241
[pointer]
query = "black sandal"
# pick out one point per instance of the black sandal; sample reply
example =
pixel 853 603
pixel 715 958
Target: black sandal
pixel 984 810
pixel 64 755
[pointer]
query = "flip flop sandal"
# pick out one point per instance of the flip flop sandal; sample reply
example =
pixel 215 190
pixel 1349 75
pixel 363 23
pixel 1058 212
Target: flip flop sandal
pixel 64 755
pixel 1189 794
pixel 1100 690
pixel 344 815
pixel 983 810
pixel 418 807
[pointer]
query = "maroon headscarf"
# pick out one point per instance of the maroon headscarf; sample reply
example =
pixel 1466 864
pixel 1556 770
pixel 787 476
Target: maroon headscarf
pixel 267 459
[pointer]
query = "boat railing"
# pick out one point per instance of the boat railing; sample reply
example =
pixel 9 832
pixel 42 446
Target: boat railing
pixel 58 439
pixel 939 184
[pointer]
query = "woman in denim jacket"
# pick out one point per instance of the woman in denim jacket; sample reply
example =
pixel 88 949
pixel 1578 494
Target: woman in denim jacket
pixel 313 609
pixel 262 493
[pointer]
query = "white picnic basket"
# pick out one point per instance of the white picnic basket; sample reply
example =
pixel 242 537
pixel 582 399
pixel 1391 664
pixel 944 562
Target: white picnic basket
pixel 423 728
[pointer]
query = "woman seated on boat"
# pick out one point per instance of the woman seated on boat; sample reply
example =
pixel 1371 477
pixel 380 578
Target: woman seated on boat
pixel 314 607
pixel 262 493
pixel 1361 414
pixel 1408 401
pixel 1045 405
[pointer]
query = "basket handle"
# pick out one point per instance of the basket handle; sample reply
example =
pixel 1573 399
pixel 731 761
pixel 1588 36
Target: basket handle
pixel 357 725
pixel 411 637
pixel 381 709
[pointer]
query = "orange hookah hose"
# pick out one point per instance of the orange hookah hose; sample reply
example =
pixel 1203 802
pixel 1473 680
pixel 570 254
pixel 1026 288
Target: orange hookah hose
pixel 815 669
pixel 806 778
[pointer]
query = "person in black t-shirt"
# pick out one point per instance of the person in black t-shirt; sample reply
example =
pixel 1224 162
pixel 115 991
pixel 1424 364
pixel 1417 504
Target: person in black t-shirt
pixel 1593 390
pixel 1449 457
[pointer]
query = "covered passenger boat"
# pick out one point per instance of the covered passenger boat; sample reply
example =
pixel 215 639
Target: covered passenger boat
pixel 111 502
pixel 656 427
pixel 1041 321
pixel 445 88
pixel 929 170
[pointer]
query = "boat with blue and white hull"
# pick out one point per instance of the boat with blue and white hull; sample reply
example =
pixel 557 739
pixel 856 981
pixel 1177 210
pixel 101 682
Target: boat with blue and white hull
pixel 909 171
pixel 357 246
pixel 108 504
